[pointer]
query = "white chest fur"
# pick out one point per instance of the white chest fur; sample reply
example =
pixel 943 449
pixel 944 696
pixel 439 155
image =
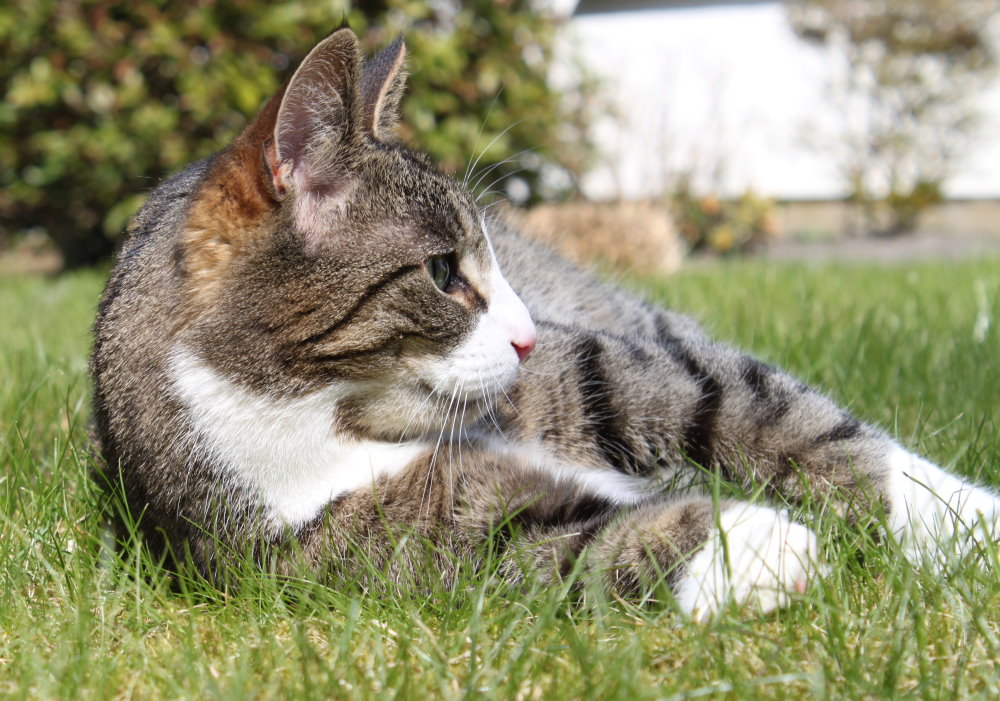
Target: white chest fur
pixel 285 450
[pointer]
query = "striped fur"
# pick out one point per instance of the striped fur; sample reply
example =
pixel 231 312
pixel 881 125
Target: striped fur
pixel 277 371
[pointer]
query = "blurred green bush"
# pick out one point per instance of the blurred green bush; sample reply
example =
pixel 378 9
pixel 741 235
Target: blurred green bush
pixel 103 98
pixel 709 224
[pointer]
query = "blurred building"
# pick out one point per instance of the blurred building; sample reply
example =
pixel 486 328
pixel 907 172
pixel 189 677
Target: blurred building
pixel 727 91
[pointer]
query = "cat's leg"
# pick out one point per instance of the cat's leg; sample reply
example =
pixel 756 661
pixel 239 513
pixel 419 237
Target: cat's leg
pixel 710 555
pixel 548 522
pixel 709 552
pixel 933 512
pixel 755 556
pixel 638 405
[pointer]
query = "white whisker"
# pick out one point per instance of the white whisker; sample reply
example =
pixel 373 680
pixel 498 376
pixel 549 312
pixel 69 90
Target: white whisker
pixel 489 188
pixel 509 159
pixel 470 165
pixel 493 141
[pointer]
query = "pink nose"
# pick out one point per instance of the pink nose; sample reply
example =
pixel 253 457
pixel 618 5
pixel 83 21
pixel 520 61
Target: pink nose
pixel 523 346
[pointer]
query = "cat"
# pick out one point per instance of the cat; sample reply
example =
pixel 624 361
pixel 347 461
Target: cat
pixel 314 342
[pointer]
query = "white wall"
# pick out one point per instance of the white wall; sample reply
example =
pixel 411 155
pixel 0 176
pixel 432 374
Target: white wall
pixel 730 82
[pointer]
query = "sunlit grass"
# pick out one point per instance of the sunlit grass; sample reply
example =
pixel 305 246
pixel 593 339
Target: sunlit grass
pixel 914 349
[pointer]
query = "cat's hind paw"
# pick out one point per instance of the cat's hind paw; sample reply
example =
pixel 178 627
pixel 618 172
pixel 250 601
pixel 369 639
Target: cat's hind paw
pixel 934 514
pixel 758 557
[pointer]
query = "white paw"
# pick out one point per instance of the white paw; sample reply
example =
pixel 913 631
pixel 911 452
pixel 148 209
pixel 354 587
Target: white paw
pixel 935 513
pixel 765 557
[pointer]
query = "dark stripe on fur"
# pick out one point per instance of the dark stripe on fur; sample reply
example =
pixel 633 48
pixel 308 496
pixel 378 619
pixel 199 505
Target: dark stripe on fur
pixel 756 374
pixel 774 411
pixel 475 300
pixel 602 419
pixel 303 312
pixel 573 525
pixel 362 352
pixel 582 510
pixel 771 407
pixel 664 333
pixel 699 439
pixel 848 428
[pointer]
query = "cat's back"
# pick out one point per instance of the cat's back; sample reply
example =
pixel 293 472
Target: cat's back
pixel 559 293
pixel 150 239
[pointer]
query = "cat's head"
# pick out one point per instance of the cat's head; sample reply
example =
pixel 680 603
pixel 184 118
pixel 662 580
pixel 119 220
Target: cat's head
pixel 318 254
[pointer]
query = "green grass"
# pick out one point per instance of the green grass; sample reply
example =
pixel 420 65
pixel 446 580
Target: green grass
pixel 914 349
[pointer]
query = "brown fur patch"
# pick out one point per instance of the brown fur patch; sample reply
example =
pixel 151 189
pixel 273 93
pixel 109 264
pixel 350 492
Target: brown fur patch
pixel 230 211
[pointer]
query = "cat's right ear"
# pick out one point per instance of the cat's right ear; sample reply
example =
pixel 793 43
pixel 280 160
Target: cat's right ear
pixel 317 117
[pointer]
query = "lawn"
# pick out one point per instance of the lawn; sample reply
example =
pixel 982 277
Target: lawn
pixel 915 349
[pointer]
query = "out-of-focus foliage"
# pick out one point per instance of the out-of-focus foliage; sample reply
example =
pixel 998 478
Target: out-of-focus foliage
pixel 102 98
pixel 907 75
pixel 709 224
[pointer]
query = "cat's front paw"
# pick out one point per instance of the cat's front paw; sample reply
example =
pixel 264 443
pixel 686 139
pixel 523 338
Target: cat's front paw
pixel 936 514
pixel 758 557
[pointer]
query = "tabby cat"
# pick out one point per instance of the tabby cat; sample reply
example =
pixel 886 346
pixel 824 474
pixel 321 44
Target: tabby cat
pixel 308 348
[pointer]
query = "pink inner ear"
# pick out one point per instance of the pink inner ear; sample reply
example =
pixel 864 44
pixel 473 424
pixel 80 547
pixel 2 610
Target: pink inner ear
pixel 278 171
pixel 320 191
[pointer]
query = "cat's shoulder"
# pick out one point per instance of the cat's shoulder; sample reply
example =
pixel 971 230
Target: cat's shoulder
pixel 167 205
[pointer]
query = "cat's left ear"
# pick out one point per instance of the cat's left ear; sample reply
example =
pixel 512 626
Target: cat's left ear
pixel 383 81
pixel 298 150
pixel 317 117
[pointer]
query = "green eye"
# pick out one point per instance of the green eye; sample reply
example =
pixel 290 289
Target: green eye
pixel 439 268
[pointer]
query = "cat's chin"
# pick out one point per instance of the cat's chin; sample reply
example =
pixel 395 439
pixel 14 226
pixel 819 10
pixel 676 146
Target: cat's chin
pixel 430 425
pixel 455 379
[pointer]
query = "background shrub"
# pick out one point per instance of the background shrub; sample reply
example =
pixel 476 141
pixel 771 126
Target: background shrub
pixel 713 225
pixel 638 237
pixel 104 98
